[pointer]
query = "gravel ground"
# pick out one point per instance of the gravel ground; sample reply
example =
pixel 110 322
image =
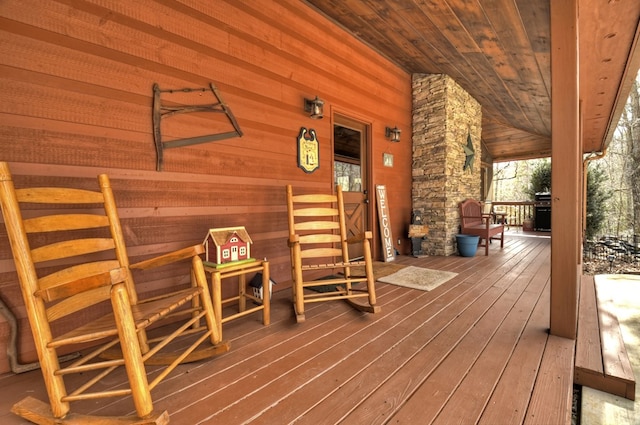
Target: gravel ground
pixel 604 267
pixel 575 407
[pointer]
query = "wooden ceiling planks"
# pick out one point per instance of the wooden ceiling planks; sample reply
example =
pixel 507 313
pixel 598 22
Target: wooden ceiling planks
pixel 500 52
pixel 605 42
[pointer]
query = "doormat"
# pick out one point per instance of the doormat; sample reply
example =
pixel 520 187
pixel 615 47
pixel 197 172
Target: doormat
pixel 418 278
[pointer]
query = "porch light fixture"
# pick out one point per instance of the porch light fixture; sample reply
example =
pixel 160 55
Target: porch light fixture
pixel 393 134
pixel 314 108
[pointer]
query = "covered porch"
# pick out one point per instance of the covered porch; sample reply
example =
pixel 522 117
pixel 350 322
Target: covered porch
pixel 474 350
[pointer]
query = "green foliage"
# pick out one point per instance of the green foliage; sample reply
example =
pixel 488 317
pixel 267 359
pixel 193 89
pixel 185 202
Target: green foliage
pixel 597 198
pixel 540 179
pixel 597 193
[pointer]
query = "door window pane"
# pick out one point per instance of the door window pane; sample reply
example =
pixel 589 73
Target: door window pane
pixel 348 176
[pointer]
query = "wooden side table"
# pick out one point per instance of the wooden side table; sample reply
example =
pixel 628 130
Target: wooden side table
pixel 218 273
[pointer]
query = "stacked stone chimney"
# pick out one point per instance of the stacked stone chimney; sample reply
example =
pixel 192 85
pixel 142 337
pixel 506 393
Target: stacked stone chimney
pixel 443 116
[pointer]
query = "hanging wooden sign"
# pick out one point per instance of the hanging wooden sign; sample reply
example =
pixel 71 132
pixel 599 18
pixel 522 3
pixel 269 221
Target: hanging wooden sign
pixel 308 150
pixel 388 250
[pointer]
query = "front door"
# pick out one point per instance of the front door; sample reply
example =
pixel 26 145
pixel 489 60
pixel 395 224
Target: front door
pixel 351 172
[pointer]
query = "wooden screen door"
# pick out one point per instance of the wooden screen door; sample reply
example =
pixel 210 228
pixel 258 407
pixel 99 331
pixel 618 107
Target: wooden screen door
pixel 351 173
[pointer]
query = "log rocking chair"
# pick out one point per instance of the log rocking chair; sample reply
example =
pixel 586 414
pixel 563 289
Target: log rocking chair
pixel 72 265
pixel 319 246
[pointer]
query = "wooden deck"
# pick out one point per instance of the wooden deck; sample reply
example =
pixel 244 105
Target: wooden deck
pixel 602 361
pixel 474 350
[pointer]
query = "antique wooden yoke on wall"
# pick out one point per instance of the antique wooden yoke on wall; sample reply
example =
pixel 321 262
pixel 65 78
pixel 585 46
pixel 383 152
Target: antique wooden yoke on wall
pixel 166 110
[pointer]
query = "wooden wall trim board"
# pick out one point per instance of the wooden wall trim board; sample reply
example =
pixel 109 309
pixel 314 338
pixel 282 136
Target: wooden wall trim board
pixel 77 79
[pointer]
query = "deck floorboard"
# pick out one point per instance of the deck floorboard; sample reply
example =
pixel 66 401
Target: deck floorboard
pixel 474 350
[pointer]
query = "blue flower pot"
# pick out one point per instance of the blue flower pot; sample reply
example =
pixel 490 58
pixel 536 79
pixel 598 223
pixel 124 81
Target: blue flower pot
pixel 467 245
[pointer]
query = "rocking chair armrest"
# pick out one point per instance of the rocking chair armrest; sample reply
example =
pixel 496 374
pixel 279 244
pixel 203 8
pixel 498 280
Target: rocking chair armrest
pixel 83 284
pixel 171 257
pixel 359 238
pixel 293 240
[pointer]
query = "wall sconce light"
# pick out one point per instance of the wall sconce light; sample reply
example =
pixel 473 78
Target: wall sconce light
pixel 393 134
pixel 314 108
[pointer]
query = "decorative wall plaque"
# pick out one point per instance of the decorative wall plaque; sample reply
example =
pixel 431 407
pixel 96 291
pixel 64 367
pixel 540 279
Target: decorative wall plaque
pixel 387 159
pixel 308 150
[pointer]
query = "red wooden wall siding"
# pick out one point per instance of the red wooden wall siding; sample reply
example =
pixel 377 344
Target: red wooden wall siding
pixel 76 80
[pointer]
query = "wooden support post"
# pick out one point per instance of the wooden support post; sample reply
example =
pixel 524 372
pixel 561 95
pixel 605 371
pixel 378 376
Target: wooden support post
pixel 566 159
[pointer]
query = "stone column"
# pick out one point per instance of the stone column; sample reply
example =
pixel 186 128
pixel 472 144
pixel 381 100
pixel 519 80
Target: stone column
pixel 444 115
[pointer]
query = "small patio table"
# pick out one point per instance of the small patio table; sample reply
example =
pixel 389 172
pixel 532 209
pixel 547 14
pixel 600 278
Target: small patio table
pixel 241 270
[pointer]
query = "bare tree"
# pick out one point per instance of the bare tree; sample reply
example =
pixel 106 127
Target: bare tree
pixel 629 128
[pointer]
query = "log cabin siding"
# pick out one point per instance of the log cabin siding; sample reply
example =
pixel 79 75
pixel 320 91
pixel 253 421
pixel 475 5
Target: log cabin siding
pixel 76 80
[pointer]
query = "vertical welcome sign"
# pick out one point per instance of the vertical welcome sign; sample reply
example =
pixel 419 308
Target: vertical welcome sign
pixel 385 224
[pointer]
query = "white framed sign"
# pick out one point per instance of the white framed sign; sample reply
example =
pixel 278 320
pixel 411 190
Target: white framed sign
pixel 387 159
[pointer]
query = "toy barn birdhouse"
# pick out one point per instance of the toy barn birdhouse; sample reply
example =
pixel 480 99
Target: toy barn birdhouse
pixel 256 286
pixel 226 245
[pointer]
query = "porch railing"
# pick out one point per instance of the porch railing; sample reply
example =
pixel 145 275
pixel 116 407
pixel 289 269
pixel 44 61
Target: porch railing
pixel 517 211
pixel 605 248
